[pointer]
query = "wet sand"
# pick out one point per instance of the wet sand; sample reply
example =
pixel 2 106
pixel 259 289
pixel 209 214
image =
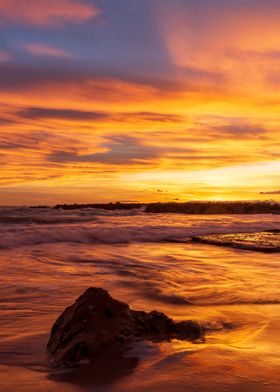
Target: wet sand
pixel 235 291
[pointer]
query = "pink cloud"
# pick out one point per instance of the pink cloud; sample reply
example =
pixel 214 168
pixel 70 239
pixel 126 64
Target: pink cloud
pixel 46 12
pixel 5 56
pixel 46 50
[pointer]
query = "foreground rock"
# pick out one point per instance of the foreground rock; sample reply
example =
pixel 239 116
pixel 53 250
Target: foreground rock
pixel 266 241
pixel 96 321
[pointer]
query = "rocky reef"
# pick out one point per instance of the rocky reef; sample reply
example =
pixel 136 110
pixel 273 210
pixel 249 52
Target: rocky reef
pixel 194 207
pixel 96 321
pixel 265 241
pixel 215 207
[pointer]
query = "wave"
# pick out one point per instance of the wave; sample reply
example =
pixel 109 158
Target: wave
pixel 240 302
pixel 13 237
pixel 50 216
pixel 43 220
pixel 27 226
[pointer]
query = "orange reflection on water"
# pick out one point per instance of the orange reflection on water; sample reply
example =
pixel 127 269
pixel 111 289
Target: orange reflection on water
pixel 241 349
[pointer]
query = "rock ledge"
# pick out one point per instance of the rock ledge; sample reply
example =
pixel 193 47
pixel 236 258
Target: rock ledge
pixel 97 321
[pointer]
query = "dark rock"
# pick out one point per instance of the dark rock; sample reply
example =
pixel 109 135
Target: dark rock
pixel 190 207
pixel 189 328
pixel 96 321
pixel 265 241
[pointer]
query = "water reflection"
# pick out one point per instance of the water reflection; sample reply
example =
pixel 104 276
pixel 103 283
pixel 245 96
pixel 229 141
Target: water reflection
pixel 235 293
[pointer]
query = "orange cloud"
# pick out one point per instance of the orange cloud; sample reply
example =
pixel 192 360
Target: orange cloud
pixel 46 50
pixel 96 138
pixel 46 12
pixel 239 41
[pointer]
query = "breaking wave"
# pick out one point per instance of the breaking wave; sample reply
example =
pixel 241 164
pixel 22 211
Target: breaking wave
pixel 27 226
pixel 22 215
pixel 34 235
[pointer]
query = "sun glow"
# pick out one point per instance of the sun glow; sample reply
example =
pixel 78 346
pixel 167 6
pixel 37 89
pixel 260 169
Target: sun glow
pixel 204 126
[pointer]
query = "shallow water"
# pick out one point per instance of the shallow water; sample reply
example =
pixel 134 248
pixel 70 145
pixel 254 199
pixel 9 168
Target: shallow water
pixel 235 292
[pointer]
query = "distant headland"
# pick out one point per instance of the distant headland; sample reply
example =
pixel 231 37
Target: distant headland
pixel 195 207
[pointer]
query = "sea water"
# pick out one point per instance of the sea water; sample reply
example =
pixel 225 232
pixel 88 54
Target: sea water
pixel 49 257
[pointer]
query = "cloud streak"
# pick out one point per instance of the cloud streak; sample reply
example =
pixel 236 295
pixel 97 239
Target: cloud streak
pixel 46 12
pixel 119 150
pixel 37 113
pixel 270 193
pixel 60 114
pixel 40 50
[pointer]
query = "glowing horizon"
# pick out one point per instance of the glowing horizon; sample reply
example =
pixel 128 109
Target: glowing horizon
pixel 153 100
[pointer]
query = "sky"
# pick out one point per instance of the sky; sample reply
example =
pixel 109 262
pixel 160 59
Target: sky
pixel 139 100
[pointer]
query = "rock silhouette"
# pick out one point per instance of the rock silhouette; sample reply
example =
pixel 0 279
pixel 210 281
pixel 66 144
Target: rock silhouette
pixel 96 321
pixel 190 207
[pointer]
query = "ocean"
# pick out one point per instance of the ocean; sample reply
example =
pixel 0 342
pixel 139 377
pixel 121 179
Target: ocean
pixel 48 257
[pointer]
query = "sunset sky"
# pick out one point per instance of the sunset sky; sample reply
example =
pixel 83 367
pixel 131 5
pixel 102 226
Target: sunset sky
pixel 139 100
